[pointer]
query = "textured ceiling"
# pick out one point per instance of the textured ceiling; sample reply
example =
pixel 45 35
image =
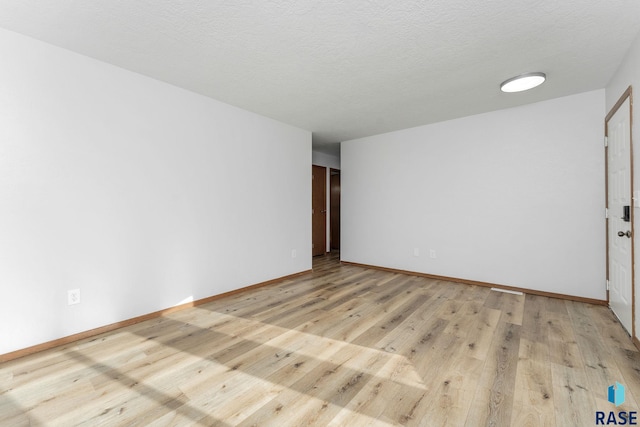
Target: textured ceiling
pixel 346 69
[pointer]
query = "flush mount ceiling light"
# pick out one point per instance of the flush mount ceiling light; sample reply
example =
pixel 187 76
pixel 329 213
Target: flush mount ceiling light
pixel 523 82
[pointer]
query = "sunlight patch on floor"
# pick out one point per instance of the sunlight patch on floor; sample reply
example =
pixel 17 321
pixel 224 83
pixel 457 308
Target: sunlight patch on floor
pixel 321 348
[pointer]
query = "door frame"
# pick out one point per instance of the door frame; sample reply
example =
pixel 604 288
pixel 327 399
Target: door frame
pixel 323 212
pixel 628 94
pixel 332 172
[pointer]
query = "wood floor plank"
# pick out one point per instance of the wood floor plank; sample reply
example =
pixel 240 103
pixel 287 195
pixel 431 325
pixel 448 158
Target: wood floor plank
pixel 563 347
pixel 343 345
pixel 464 320
pixel 389 318
pixel 387 386
pixel 600 368
pixel 422 324
pixel 481 333
pixel 430 357
pixel 533 396
pixel 14 414
pixel 574 404
pixel 492 403
pixel 555 305
pixel 510 305
pixel 628 362
pixel 534 321
pixel 453 390
pixel 608 325
pixel 329 380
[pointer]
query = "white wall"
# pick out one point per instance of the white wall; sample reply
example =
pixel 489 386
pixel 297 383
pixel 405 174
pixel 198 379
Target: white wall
pixel 512 197
pixel 328 161
pixel 140 194
pixel 629 75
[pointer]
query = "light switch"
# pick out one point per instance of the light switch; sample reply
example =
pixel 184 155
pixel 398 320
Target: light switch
pixel 636 199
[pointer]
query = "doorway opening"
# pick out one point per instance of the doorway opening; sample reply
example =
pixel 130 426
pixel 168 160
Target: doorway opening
pixel 334 212
pixel 318 210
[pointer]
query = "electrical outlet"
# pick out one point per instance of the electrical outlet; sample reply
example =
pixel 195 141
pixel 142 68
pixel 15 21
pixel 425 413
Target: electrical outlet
pixel 432 254
pixel 73 296
pixel 416 251
pixel 294 253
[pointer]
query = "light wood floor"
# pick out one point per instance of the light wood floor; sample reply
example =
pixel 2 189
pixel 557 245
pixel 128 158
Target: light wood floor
pixel 344 346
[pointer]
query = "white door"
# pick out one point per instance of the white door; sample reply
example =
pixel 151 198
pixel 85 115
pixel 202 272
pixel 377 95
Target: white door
pixel 619 227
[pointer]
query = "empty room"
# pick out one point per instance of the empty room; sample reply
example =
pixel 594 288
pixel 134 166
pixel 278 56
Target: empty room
pixel 288 213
